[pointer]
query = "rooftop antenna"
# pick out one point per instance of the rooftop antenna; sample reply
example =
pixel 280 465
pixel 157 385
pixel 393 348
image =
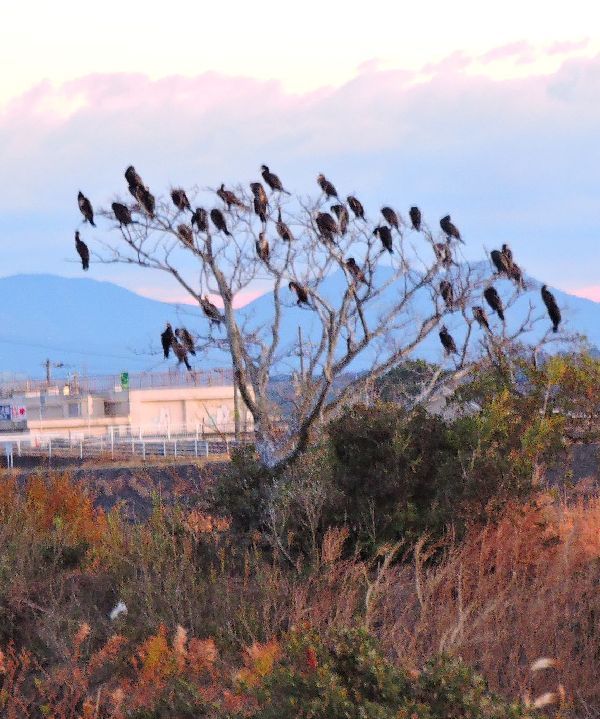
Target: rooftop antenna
pixel 50 365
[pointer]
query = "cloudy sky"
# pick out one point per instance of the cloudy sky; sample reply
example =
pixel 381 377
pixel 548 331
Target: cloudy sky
pixel 489 111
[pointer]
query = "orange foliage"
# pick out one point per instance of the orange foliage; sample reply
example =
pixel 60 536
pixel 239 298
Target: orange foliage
pixel 259 660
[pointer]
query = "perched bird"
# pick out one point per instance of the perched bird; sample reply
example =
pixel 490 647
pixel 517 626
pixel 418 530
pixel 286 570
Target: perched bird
pixel 443 254
pixel 122 213
pixel 514 271
pixel 390 217
pixel 355 270
pixel 447 341
pixel 326 186
pixel 385 235
pixel 493 299
pixel 82 251
pixel 301 293
pixel 259 192
pixel 447 294
pixel 200 219
pixel 507 252
pixel 219 221
pixel 450 229
pixel 501 262
pixel 342 215
pixel 326 225
pixel 186 339
pixel 180 199
pixel 146 199
pixel 133 179
pixel 262 247
pixel 415 217
pixel 166 339
pixel 86 208
pixel 272 180
pixel 552 307
pixel 181 353
pixel 229 197
pixel 282 229
pixel 211 311
pixel 260 210
pixel 186 234
pixel 356 207
pixel 481 317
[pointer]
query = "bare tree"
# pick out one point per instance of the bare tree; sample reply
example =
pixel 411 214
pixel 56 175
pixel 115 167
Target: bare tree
pixel 389 303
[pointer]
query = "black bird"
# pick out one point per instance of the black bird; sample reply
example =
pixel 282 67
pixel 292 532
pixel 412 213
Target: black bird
pixel 390 217
pixel 326 225
pixel 500 262
pixel 447 341
pixel 180 199
pixel 356 207
pixel 326 186
pixel 261 201
pixel 481 317
pixel 86 208
pixel 186 340
pixel 342 215
pixel 272 180
pixel 415 217
pixel 385 235
pixel 122 213
pixel 133 179
pixel 513 270
pixel 260 209
pixel 493 299
pixel 301 293
pixel 552 307
pixel 181 353
pixel 262 247
pixel 219 221
pixel 507 252
pixel 82 251
pixel 229 197
pixel 447 294
pixel 355 270
pixel 443 254
pixel 146 199
pixel 200 219
pixel 282 229
pixel 186 234
pixel 211 311
pixel 166 339
pixel 450 229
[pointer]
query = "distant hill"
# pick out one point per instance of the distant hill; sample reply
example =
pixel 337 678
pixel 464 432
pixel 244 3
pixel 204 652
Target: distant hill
pixel 100 327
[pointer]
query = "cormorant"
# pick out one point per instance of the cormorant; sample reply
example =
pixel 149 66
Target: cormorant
pixel 82 251
pixel 415 217
pixel 229 197
pixel 447 294
pixel 326 186
pixel 390 217
pixel 219 221
pixel 493 299
pixel 122 213
pixel 186 340
pixel 181 353
pixel 260 209
pixel 282 229
pixel 146 199
pixel 449 228
pixel 86 208
pixel 356 207
pixel 552 307
pixel 180 199
pixel 133 179
pixel 447 341
pixel 342 215
pixel 326 225
pixel 355 270
pixel 200 219
pixel 481 317
pixel 262 247
pixel 211 311
pixel 385 235
pixel 301 293
pixel 443 253
pixel 501 262
pixel 272 180
pixel 186 234
pixel 166 339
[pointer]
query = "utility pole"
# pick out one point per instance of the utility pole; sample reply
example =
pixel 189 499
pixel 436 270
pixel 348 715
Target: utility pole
pixel 48 364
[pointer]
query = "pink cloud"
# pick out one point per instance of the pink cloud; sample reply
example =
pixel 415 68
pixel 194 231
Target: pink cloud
pixel 164 294
pixel 455 62
pixel 567 47
pixel 590 292
pixel 521 51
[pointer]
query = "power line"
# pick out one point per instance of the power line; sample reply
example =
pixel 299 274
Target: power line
pixel 54 348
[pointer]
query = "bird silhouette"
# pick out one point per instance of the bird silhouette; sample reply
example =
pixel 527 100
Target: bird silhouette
pixel 449 228
pixel 211 311
pixel 356 207
pixel 282 229
pixel 447 341
pixel 229 197
pixel 166 339
pixel 219 221
pixel 86 208
pixel 180 199
pixel 447 294
pixel 443 254
pixel 493 299
pixel 390 216
pixel 186 234
pixel 501 262
pixel 82 251
pixel 301 293
pixel 186 340
pixel 122 213
pixel 200 219
pixel 262 247
pixel 272 180
pixel 342 216
pixel 326 186
pixel 385 235
pixel 552 307
pixel 481 317
pixel 355 270
pixel 415 217
pixel 326 225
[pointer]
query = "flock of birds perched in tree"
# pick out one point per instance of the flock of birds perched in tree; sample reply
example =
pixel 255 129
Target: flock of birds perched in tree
pixel 329 227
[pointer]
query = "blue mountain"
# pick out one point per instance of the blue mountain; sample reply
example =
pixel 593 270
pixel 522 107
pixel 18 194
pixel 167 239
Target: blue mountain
pixel 99 327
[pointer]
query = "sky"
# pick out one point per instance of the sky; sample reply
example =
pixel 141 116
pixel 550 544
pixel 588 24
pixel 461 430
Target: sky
pixel 486 110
